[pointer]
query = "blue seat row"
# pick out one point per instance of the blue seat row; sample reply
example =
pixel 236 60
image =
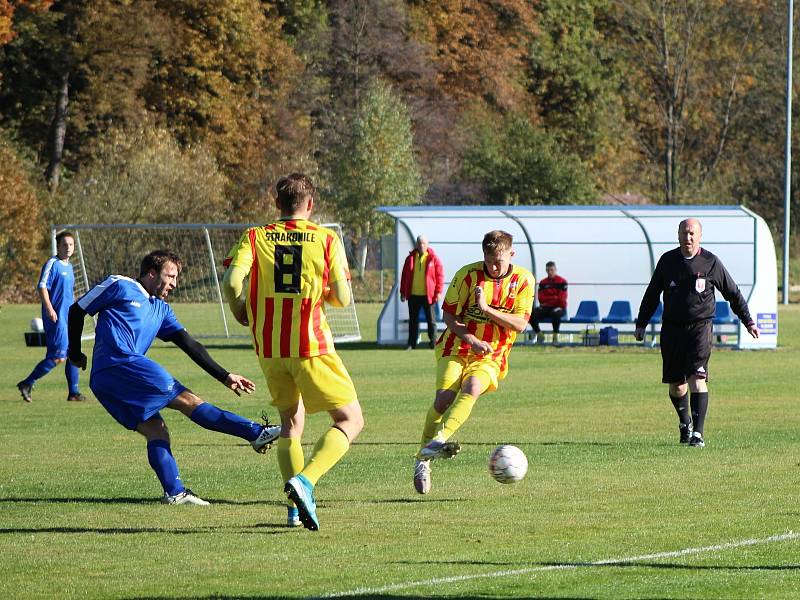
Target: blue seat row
pixel 620 312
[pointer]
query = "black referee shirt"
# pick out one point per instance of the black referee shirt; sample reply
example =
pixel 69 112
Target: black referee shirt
pixel 688 287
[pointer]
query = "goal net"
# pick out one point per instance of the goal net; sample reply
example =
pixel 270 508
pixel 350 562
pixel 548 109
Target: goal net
pixel 117 249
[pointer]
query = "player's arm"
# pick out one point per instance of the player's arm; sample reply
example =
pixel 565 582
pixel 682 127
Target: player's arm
pixel 649 302
pixel 478 345
pixel 338 293
pixel 44 295
pixel 74 331
pixel 198 353
pixel 731 292
pixel 509 321
pixel 232 285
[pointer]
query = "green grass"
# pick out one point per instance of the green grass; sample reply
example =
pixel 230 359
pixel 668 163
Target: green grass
pixel 79 515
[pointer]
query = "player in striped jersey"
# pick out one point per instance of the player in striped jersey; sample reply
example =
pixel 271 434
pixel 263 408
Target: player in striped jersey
pixel 294 267
pixel 487 304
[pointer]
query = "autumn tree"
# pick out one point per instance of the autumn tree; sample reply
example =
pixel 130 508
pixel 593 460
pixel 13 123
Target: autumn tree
pixel 690 70
pixel 142 175
pixel 23 231
pixel 379 168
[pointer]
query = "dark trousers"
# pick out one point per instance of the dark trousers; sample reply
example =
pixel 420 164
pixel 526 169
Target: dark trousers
pixel 414 304
pixel 554 313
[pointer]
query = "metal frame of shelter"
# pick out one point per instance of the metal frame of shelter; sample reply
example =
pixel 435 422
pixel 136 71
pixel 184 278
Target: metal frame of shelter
pixel 606 253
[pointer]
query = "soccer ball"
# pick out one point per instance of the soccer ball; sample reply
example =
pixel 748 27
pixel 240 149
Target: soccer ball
pixel 37 325
pixel 507 464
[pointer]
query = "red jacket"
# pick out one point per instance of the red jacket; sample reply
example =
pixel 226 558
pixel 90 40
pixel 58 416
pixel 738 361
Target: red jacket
pixel 553 292
pixel 434 275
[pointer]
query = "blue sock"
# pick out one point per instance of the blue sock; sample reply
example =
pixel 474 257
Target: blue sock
pixel 71 371
pixel 209 416
pixel 160 458
pixel 40 370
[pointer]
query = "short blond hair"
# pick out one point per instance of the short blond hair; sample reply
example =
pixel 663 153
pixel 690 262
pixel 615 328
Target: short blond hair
pixel 497 241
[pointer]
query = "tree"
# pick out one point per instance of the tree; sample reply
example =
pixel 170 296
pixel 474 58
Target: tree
pixel 22 233
pixel 518 163
pixel 574 82
pixel 143 175
pixel 379 168
pixel 690 70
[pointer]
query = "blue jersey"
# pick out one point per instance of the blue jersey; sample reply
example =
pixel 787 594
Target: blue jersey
pixel 128 322
pixel 59 279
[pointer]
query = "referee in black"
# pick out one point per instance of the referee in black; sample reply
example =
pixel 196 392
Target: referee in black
pixel 687 277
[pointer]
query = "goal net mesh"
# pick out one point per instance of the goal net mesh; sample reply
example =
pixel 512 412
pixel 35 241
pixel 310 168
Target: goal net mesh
pixel 103 250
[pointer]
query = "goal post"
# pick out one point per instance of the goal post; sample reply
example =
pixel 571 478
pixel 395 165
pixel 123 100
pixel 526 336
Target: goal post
pixel 117 249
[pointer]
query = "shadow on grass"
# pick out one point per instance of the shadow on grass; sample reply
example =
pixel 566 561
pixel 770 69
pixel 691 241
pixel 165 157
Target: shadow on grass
pixel 359 596
pixel 262 528
pixel 91 500
pixel 616 565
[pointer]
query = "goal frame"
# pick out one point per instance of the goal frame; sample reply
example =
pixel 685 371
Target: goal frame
pixel 343 321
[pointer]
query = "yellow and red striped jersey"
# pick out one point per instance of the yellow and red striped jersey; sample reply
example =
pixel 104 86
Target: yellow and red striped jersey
pixel 512 293
pixel 291 263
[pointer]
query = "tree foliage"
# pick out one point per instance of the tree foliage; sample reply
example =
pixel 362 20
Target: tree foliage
pixel 22 232
pixel 379 166
pixel 519 163
pixel 672 101
pixel 144 176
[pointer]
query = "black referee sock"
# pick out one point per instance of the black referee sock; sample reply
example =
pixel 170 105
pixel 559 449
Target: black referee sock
pixel 699 409
pixel 681 405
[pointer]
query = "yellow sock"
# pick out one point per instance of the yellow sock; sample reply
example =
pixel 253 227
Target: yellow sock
pixel 290 459
pixel 329 450
pixel 432 421
pixel 457 414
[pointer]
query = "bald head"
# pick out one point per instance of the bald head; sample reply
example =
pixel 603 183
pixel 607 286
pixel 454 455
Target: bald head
pixel 422 244
pixel 690 232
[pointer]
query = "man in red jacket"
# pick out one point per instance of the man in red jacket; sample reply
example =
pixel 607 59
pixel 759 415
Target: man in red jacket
pixel 421 284
pixel 552 302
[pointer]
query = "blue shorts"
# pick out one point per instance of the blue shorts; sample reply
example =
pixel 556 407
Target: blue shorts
pixel 56 336
pixel 135 391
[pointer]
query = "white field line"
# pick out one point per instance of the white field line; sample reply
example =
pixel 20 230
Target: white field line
pixel 363 591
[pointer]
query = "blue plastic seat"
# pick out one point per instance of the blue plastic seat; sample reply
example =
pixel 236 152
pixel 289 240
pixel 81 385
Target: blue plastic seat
pixel 437 313
pixel 724 314
pixel 588 312
pixel 620 312
pixel 656 318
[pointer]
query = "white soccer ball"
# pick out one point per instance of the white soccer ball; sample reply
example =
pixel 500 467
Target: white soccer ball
pixel 37 325
pixel 507 464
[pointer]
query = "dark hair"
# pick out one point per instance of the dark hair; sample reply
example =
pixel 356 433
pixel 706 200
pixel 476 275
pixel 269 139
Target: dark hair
pixel 63 234
pixel 156 261
pixel 293 190
pixel 549 264
pixel 497 241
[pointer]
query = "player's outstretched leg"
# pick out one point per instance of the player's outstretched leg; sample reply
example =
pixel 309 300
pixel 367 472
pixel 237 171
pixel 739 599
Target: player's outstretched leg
pixel 210 417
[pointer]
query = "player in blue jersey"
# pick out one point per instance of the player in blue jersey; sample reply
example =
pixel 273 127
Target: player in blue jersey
pixel 133 388
pixel 56 290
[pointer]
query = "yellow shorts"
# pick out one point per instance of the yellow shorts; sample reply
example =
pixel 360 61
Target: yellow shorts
pixel 451 371
pixel 321 381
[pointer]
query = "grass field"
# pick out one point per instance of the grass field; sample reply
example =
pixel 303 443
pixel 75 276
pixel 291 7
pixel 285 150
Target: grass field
pixel 612 506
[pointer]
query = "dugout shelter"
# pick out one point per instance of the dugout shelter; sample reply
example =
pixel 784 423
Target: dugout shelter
pixel 606 253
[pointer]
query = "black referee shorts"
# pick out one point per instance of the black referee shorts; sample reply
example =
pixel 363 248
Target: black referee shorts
pixel 685 350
